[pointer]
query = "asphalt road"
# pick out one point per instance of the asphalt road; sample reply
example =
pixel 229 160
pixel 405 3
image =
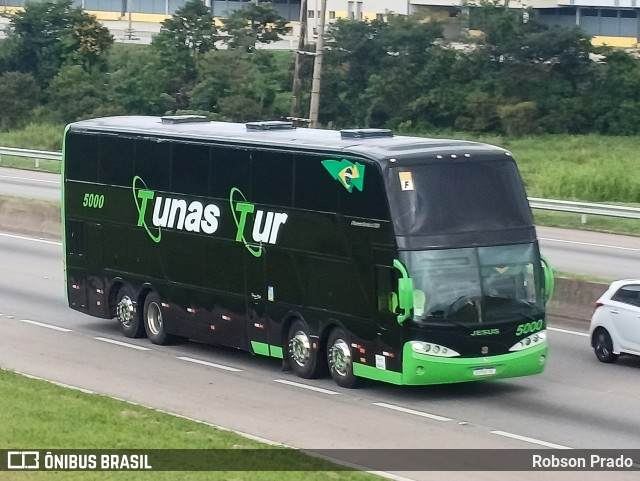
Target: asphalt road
pixel 576 403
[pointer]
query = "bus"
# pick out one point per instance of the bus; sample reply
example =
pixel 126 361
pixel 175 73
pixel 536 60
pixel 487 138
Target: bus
pixel 366 254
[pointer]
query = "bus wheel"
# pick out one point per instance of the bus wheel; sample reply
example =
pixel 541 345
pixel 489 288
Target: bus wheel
pixel 302 356
pixel 340 359
pixel 153 320
pixel 127 313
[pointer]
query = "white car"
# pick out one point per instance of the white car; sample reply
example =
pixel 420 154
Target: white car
pixel 615 325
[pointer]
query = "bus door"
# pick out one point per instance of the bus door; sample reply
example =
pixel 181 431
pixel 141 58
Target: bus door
pixel 256 298
pixel 386 288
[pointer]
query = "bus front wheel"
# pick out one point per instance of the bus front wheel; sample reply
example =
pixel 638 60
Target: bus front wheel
pixel 127 313
pixel 303 356
pixel 340 359
pixel 153 321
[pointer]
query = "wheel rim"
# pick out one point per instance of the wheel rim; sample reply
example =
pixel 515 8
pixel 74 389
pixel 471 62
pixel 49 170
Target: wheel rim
pixel 340 357
pixel 300 348
pixel 124 311
pixel 154 318
pixel 602 346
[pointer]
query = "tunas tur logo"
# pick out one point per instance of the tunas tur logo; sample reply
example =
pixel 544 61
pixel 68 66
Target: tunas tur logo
pixel 194 216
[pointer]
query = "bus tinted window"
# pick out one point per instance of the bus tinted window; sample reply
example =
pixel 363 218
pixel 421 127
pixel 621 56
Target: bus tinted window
pixel 81 157
pixel 116 160
pixel 371 202
pixel 314 189
pixel 277 166
pixel 229 168
pixel 190 169
pixel 152 160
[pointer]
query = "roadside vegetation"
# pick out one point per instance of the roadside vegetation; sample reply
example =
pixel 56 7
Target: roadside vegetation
pixel 60 418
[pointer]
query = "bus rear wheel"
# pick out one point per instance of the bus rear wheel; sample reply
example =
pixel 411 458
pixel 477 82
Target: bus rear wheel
pixel 303 357
pixel 127 313
pixel 154 322
pixel 340 359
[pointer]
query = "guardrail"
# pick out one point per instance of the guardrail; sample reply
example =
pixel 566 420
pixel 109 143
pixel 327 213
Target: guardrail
pixel 583 208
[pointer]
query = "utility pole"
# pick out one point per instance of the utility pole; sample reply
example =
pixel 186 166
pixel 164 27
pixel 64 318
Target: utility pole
pixel 302 41
pixel 317 69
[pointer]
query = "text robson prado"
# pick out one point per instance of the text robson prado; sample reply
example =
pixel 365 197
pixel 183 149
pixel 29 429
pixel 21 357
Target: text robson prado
pixel 593 462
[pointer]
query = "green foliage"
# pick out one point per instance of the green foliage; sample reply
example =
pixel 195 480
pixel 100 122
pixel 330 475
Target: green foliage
pixel 252 24
pixel 49 34
pixel 519 119
pixel 19 95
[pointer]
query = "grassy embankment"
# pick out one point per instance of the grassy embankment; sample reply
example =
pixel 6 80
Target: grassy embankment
pixel 39 415
pixel 589 168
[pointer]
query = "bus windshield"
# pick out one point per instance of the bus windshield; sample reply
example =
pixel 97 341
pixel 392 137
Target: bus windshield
pixel 476 285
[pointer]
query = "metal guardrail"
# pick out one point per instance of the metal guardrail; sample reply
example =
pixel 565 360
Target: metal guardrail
pixel 32 154
pixel 583 208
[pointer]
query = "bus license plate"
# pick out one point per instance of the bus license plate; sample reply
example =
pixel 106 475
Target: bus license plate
pixel 484 371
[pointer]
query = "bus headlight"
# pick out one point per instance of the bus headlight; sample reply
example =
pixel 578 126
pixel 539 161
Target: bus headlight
pixel 431 349
pixel 530 341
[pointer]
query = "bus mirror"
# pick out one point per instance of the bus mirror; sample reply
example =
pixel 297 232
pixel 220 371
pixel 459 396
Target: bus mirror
pixel 549 280
pixel 405 293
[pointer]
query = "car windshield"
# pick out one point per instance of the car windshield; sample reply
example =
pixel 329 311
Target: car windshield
pixel 476 285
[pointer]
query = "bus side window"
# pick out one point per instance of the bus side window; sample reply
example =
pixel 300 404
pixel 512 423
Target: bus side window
pixel 314 189
pixel 190 169
pixel 152 162
pixel 272 178
pixel 371 202
pixel 75 238
pixel 81 157
pixel 229 168
pixel 116 160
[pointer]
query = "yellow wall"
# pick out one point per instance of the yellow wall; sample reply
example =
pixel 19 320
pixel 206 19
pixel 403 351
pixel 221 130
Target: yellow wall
pixel 622 42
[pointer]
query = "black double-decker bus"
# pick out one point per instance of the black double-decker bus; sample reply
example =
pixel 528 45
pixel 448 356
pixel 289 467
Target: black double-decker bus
pixel 401 259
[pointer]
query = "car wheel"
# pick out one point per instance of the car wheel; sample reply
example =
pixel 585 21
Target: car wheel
pixel 340 359
pixel 127 313
pixel 603 346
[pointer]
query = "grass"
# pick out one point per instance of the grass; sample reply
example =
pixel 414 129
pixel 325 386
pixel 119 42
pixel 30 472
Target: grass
pixel 63 418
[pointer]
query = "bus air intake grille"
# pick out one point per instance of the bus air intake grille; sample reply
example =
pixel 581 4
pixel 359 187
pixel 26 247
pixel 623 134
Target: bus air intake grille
pixel 270 125
pixel 365 133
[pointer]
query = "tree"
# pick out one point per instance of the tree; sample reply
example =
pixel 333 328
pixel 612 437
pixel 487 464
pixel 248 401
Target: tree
pixel 19 94
pixel 48 34
pixel 255 23
pixel 182 41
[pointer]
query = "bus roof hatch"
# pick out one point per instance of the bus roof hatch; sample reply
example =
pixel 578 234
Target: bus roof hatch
pixel 365 133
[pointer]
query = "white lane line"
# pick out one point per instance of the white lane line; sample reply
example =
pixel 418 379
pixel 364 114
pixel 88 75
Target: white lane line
pixel 30 180
pixel 210 364
pixel 120 343
pixel 411 411
pixel 42 324
pixel 565 331
pixel 33 239
pixel 305 386
pixel 590 244
pixel 530 440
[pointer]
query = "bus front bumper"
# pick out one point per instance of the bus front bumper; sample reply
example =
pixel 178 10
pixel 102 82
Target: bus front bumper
pixel 422 369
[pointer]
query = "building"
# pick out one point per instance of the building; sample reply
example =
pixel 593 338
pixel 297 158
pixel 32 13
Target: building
pixel 611 22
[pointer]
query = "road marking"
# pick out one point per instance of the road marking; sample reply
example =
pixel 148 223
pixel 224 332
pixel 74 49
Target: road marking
pixel 411 411
pixel 565 331
pixel 590 244
pixel 305 386
pixel 33 239
pixel 210 364
pixel 42 324
pixel 530 440
pixel 123 344
pixel 30 180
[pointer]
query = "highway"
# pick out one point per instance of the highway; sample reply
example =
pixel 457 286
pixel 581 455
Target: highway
pixel 576 403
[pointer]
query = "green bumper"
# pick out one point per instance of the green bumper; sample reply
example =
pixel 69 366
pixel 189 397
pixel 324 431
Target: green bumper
pixel 421 369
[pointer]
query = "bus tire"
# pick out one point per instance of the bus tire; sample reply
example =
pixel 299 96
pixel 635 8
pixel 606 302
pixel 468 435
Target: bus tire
pixel 127 313
pixel 303 358
pixel 154 322
pixel 340 359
